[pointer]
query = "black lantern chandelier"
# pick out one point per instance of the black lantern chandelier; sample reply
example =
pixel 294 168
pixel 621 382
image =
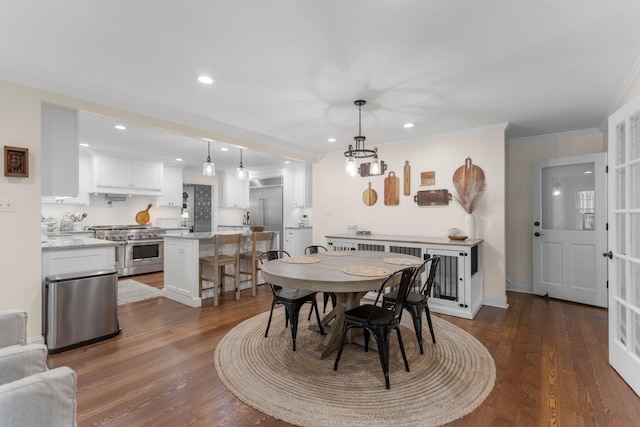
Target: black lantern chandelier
pixel 360 152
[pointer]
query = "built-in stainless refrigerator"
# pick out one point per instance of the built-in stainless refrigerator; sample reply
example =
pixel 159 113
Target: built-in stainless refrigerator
pixel 265 205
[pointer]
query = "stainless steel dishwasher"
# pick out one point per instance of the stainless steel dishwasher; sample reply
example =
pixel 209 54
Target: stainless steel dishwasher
pixel 80 308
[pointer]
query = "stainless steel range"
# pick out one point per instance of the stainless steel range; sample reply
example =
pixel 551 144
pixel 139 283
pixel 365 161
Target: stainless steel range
pixel 140 250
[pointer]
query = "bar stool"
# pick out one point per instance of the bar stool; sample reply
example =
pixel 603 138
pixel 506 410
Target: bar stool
pixel 260 242
pixel 226 251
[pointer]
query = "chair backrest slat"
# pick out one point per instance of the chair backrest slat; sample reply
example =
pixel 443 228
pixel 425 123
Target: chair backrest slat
pixel 432 263
pixel 405 276
pixel 314 249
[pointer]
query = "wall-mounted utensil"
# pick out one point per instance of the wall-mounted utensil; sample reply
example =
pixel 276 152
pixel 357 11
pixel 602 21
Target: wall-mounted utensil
pixel 369 196
pixel 391 189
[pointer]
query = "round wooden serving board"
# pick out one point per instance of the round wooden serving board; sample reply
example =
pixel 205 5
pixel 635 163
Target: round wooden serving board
pixel 142 217
pixel 369 197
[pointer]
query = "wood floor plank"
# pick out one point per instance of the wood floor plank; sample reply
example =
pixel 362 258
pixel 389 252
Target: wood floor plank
pixel 551 360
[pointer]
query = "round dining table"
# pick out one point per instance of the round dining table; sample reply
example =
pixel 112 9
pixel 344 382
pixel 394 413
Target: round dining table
pixel 349 274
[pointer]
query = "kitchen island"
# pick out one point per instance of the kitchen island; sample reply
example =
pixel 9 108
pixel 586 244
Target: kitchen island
pixel 181 264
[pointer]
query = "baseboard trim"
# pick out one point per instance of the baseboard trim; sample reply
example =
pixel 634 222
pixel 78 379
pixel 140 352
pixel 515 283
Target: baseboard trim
pixel 496 301
pixel 525 288
pixel 36 340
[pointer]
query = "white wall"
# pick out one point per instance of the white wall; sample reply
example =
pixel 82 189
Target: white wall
pixel 20 265
pixel 337 198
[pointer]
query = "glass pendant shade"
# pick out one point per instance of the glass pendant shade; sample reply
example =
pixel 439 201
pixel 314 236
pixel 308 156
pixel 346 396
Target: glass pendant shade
pixel 352 167
pixel 375 166
pixel 208 168
pixel 240 172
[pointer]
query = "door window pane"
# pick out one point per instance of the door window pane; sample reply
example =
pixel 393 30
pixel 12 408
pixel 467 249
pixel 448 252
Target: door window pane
pixel 621 234
pixel 622 323
pixel 635 334
pixel 634 175
pixel 620 186
pixel 620 159
pixel 634 146
pixel 635 272
pixel 622 279
pixel 634 235
pixel 568 197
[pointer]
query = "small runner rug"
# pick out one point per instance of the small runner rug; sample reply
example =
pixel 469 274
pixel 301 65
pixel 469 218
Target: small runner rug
pixel 131 291
pixel 450 380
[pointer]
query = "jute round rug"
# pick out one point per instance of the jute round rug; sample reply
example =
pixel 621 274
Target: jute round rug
pixel 449 381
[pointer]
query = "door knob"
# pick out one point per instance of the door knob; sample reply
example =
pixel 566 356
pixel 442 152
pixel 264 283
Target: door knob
pixel 537 234
pixel 608 254
pixel 537 223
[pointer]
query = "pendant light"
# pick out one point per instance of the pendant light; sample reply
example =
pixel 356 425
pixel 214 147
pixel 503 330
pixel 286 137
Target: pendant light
pixel 240 172
pixel 208 168
pixel 360 152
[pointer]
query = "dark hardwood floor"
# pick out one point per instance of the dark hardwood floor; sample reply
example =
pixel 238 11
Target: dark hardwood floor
pixel 551 363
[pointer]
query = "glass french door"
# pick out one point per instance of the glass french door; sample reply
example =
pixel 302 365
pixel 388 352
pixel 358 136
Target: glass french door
pixel 624 242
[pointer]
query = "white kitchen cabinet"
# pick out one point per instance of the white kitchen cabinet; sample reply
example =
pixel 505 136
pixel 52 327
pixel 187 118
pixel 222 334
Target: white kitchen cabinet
pixel 124 175
pixel 297 239
pixel 458 286
pixel 60 151
pixel 302 186
pixel 171 187
pixel 234 191
pixel 84 177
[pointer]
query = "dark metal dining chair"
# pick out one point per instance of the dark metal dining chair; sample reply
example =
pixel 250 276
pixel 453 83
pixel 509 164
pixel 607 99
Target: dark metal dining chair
pixel 380 321
pixel 316 249
pixel 415 302
pixel 291 299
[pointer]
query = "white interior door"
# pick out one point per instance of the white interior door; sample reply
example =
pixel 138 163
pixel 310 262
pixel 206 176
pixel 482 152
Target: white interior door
pixel 569 229
pixel 624 243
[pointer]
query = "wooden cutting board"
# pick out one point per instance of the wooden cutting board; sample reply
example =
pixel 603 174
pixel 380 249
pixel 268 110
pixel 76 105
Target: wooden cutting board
pixel 142 217
pixel 369 196
pixel 407 178
pixel 391 189
pixel 432 198
pixel 467 173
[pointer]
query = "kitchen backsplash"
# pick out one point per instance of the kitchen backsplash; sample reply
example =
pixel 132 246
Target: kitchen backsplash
pixel 101 212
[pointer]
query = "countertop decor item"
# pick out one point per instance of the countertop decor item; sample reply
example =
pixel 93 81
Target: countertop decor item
pixel 457 237
pixel 469 183
pixel 142 217
pixel 360 152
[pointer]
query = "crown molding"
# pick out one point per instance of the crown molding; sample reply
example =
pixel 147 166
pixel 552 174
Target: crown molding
pixel 558 135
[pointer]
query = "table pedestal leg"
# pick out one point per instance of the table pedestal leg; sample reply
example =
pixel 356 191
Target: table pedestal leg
pixel 344 301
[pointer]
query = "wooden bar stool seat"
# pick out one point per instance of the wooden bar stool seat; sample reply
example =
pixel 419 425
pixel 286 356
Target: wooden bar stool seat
pixel 261 242
pixel 226 252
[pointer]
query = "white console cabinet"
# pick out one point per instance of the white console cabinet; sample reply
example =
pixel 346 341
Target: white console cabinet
pixel 124 175
pixel 458 286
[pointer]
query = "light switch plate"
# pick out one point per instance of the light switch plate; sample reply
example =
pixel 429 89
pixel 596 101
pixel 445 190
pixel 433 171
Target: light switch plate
pixel 7 204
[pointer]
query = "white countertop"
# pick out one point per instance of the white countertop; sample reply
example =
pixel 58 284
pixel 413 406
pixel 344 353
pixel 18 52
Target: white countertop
pixel 407 239
pixel 203 235
pixel 71 242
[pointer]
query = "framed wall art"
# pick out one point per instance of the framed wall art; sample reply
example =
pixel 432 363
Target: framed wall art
pixel 16 161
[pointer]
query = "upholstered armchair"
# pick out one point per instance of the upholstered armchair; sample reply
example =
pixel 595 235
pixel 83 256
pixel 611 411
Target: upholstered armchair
pixel 30 393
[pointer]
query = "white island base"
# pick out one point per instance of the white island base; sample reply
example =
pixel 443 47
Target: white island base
pixel 181 265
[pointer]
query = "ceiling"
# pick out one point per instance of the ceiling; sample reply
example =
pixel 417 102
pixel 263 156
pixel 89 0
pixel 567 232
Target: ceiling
pixel 288 71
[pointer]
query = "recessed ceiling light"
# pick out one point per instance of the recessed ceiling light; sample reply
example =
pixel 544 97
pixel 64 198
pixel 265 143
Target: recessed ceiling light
pixel 120 127
pixel 587 172
pixel 178 159
pixel 205 80
pixel 224 149
pixel 84 144
pixel 331 140
pixel 286 162
pixel 409 125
